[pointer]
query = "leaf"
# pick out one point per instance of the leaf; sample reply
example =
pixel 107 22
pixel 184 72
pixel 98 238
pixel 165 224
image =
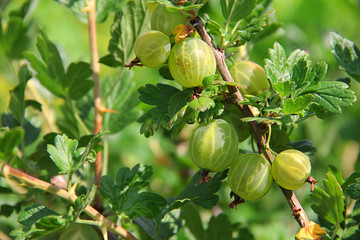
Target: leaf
pixel 158 96
pixel 292 106
pixel 219 227
pixel 9 140
pixel 32 214
pixel 202 104
pixel 128 25
pixel 38 220
pixel 124 195
pixel 347 54
pixel 276 66
pixel 79 84
pixel 351 179
pixel 267 120
pixel 353 190
pixel 332 95
pixel 304 146
pixel 63 153
pixel 17 96
pixel 329 202
pixel 193 221
pixel 83 201
pixel 201 194
pixel 235 10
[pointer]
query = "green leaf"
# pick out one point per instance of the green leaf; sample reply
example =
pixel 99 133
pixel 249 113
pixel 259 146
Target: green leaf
pixel 63 153
pixel 235 10
pixel 284 88
pixel 332 95
pixel 329 202
pixel 193 221
pixel 267 120
pixel 17 96
pixel 67 157
pixel 298 105
pixel 32 214
pixel 219 227
pixel 14 34
pixel 128 25
pixel 354 189
pixel 347 54
pixel 9 140
pixel 124 195
pixel 276 67
pixel 202 104
pixel 203 194
pixel 38 220
pixel 79 84
pixel 83 201
pixel 351 179
pixel 158 96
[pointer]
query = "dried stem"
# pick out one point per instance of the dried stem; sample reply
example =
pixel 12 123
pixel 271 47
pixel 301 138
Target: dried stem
pixel 30 181
pixel 95 66
pixel 258 131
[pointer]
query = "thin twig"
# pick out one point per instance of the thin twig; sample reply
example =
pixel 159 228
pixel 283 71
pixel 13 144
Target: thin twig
pixel 95 66
pixel 257 130
pixel 30 181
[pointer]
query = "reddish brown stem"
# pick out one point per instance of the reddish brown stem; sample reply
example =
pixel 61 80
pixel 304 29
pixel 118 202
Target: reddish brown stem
pixel 257 130
pixel 95 66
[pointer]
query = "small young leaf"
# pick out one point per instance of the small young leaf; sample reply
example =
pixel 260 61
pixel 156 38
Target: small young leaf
pixel 347 54
pixel 202 104
pixel 63 153
pixel 299 104
pixel 329 202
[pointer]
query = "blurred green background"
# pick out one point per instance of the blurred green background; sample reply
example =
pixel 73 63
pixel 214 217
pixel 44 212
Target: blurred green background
pixel 306 25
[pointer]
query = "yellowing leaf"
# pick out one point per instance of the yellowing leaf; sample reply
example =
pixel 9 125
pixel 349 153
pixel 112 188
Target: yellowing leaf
pixel 311 232
pixel 181 31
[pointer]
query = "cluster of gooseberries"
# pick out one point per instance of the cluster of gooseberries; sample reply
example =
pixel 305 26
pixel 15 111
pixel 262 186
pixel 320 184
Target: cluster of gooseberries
pixel 189 60
pixel 213 146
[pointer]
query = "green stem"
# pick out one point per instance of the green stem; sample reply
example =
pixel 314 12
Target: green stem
pixel 89 222
pixel 333 235
pixel 105 166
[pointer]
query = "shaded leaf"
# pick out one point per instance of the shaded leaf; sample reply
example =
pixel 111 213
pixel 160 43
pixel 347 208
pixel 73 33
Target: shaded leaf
pixel 353 190
pixel 292 106
pixel 235 10
pixel 124 195
pixel 347 54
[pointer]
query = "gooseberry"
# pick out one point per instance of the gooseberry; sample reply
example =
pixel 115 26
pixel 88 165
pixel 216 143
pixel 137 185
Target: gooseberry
pixel 233 115
pixel 250 176
pixel 190 61
pixel 152 48
pixel 214 145
pixel 165 21
pixel 291 168
pixel 250 76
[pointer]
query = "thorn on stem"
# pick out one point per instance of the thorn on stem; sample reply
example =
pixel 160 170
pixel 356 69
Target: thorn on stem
pixel 312 181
